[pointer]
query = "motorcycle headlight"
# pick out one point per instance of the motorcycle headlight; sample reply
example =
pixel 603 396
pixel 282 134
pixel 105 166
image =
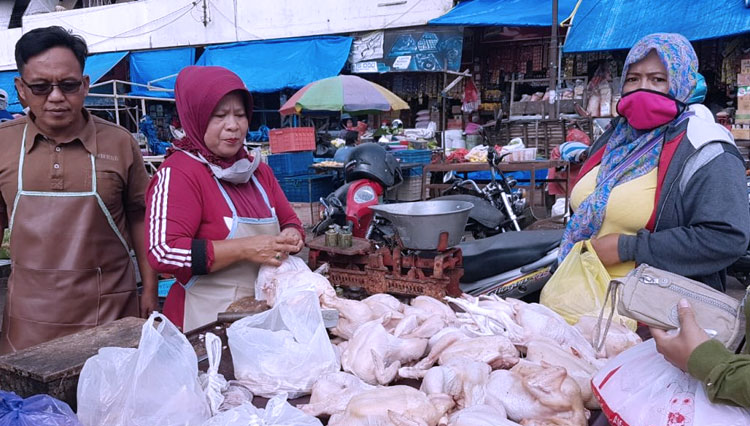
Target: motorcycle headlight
pixel 364 194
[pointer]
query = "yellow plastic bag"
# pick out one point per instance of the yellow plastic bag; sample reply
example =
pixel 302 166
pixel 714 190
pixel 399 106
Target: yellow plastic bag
pixel 579 286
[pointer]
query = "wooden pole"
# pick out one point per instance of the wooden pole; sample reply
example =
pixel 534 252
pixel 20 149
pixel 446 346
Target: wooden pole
pixel 553 60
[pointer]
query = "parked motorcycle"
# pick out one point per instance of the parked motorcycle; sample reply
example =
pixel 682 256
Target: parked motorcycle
pixel 497 207
pixel 368 173
pixel 511 264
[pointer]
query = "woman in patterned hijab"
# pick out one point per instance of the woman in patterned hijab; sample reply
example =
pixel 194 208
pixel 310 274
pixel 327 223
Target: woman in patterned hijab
pixel 665 184
pixel 677 79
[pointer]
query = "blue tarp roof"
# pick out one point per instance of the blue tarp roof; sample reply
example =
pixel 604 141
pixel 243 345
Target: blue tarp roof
pixel 509 13
pixel 96 66
pixel 101 63
pixel 618 24
pixel 155 64
pixel 7 84
pixel 269 66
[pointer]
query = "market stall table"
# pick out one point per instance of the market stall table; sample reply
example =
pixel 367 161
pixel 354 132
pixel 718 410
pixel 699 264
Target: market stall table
pixel 518 166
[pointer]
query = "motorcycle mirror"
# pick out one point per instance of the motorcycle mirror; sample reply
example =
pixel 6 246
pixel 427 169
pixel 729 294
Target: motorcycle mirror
pixel 449 176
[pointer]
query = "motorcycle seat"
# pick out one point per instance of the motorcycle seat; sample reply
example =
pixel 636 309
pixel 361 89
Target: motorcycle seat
pixel 483 212
pixel 504 252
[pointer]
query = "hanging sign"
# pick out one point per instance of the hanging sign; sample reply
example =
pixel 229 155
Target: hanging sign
pixel 412 49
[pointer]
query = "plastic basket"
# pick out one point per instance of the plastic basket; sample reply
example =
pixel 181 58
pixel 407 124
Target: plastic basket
pixel 300 188
pixel 292 139
pixel 290 164
pixel 420 156
pixel 409 190
pixel 524 154
pixel 164 286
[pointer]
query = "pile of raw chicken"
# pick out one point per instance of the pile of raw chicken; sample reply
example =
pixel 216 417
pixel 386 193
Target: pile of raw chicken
pixel 479 361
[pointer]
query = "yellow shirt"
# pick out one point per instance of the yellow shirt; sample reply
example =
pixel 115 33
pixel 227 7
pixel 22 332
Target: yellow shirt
pixel 629 208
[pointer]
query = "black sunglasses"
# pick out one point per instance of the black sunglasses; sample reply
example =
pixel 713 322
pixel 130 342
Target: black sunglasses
pixel 40 89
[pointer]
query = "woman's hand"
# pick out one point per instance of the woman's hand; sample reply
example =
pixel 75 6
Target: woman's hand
pixel 294 235
pixel 606 249
pixel 678 348
pixel 270 249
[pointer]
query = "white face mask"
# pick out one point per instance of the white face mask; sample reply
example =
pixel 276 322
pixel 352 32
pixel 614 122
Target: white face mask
pixel 239 172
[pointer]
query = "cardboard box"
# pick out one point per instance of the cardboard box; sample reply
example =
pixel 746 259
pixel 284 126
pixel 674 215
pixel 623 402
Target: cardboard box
pixel 742 117
pixel 743 103
pixel 739 133
pixel 743 79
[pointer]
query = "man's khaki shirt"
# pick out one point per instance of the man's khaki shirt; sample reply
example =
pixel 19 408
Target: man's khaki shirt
pixel 65 166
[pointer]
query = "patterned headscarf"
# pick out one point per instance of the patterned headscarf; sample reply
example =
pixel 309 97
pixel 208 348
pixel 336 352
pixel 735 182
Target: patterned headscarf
pixel 681 62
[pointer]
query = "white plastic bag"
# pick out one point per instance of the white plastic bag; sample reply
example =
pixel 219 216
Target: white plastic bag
pixel 277 413
pixel 285 349
pixel 156 384
pixel 639 387
pixel 213 383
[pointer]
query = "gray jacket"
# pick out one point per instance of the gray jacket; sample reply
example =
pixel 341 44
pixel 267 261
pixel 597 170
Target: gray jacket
pixel 702 216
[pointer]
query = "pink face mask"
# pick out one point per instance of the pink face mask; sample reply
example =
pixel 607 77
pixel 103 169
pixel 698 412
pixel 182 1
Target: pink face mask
pixel 647 109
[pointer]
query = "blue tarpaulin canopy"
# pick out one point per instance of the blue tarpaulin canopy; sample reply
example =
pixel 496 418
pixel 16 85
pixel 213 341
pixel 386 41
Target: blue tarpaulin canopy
pixel 101 63
pixel 96 67
pixel 156 64
pixel 619 24
pixel 508 13
pixel 7 84
pixel 269 66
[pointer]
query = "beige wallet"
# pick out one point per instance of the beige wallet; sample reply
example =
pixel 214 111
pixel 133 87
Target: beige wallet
pixel 650 296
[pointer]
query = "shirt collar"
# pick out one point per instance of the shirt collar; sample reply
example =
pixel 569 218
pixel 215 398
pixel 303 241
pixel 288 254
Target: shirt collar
pixel 87 135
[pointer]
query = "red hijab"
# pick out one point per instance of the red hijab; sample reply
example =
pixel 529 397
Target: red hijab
pixel 198 91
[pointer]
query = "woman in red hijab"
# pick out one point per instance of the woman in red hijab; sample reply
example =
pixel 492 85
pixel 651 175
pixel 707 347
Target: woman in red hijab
pixel 215 213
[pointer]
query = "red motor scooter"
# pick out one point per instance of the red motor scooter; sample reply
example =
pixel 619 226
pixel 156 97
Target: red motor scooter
pixel 368 173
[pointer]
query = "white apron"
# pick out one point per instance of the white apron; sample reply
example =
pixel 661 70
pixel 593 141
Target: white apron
pixel 207 295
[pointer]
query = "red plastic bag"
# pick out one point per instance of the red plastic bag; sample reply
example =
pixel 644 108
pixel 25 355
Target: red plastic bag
pixel 457 156
pixel 577 135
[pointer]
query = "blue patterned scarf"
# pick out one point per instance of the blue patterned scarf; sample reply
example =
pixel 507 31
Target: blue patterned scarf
pixel 681 63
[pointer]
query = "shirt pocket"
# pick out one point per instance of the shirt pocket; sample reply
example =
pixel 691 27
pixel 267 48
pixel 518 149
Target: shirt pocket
pixel 110 187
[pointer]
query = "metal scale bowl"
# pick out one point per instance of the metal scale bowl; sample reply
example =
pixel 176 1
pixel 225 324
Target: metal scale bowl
pixel 423 260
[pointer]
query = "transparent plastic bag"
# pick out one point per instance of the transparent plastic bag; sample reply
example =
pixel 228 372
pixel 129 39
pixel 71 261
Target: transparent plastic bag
pixel 213 383
pixel 285 349
pixel 639 387
pixel 36 410
pixel 277 413
pixel 156 384
pixel 579 286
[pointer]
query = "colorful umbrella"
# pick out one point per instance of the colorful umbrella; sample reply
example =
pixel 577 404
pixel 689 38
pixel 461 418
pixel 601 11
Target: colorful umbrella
pixel 344 93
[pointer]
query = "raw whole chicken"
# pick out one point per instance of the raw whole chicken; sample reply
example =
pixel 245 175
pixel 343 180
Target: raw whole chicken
pixel 531 392
pixel 481 415
pixel 432 307
pixel 497 351
pixel 294 274
pixel 331 393
pixel 539 321
pixel 619 338
pixel 547 351
pixel 463 379
pixel 383 304
pixel 375 356
pixel 417 326
pixel 393 406
pixel 352 314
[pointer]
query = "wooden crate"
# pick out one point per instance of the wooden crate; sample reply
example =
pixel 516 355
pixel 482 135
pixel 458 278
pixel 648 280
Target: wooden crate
pixel 544 135
pixel 53 367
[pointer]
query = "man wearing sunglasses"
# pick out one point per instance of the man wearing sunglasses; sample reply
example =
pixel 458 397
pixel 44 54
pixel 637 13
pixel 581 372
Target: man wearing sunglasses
pixel 72 195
